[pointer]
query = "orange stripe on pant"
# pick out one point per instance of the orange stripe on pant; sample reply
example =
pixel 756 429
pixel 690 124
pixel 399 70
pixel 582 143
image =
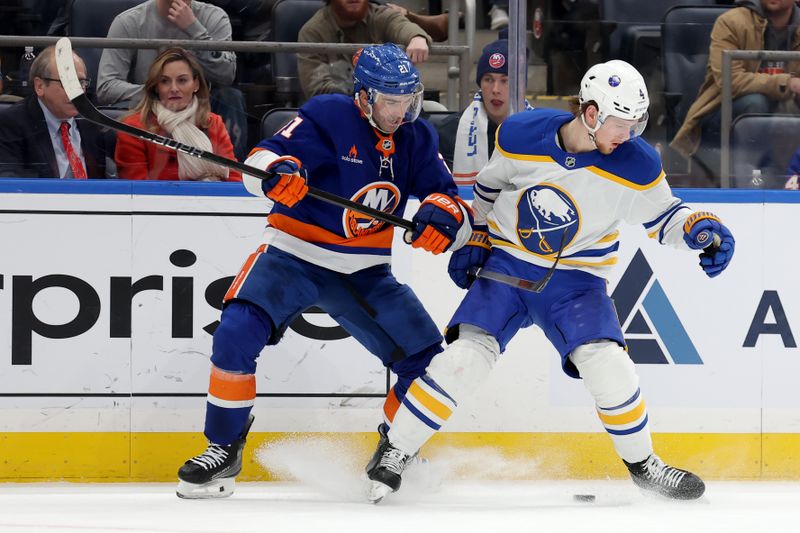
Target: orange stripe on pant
pixel 390 406
pixel 233 290
pixel 231 387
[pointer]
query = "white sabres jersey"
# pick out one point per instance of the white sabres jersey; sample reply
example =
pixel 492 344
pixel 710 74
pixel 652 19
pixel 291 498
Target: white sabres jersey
pixel 534 196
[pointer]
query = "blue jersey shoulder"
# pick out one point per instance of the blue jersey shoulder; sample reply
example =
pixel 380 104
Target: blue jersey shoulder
pixel 635 162
pixel 525 133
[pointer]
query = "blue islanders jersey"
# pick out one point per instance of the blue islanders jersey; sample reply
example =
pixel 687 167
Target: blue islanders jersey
pixel 344 155
pixel 534 196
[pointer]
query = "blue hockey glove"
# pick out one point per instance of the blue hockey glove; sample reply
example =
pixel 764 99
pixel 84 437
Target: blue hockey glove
pixel 704 231
pixel 437 221
pixel 288 184
pixel 471 255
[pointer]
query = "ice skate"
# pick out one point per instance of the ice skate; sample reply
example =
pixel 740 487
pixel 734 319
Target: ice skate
pixel 386 467
pixel 654 476
pixel 212 474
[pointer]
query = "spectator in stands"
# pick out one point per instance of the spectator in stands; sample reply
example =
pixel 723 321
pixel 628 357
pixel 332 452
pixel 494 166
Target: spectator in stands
pixel 479 122
pixel 353 21
pixel 176 105
pixel 40 136
pixel 498 14
pixel 758 86
pixel 434 25
pixel 122 71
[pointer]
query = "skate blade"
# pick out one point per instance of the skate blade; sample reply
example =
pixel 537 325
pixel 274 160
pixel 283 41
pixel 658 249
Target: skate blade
pixel 377 492
pixel 218 488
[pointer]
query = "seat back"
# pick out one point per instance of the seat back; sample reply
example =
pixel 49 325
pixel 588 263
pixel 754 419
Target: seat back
pixel 765 142
pixel 628 15
pixel 288 16
pixel 446 125
pixel 275 119
pixel 92 18
pixel 686 37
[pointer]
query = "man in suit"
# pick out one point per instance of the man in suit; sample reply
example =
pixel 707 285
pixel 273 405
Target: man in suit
pixel 40 136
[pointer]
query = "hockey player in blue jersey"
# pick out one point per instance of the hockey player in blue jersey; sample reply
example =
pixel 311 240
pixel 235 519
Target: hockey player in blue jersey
pixel 561 181
pixel 369 149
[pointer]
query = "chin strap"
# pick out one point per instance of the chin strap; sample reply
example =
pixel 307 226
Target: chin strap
pixel 368 115
pixel 591 131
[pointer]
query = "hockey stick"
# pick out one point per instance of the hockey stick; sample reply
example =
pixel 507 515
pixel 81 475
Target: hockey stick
pixel 519 283
pixel 69 80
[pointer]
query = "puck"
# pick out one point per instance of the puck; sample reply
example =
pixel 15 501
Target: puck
pixel 586 498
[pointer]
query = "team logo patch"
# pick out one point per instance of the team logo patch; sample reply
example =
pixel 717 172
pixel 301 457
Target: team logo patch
pixel 614 80
pixel 383 196
pixel 497 60
pixel 545 213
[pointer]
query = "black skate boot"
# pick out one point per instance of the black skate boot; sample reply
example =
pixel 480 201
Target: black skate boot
pixel 413 461
pixel 386 467
pixel 212 474
pixel 654 476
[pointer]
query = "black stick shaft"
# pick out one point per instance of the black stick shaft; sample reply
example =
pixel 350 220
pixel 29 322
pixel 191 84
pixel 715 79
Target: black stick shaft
pixel 91 113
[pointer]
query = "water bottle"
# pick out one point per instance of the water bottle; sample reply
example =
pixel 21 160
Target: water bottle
pixel 25 66
pixel 756 181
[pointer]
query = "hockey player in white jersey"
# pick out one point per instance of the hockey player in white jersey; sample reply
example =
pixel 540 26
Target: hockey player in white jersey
pixel 561 182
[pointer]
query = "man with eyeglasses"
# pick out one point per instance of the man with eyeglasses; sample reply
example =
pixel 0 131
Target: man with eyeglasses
pixel 40 136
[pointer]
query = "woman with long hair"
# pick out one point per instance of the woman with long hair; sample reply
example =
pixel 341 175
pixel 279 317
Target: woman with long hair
pixel 175 104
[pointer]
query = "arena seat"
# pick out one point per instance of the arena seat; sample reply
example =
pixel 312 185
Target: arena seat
pixel 765 142
pixel 275 119
pixel 686 36
pixel 92 18
pixel 288 16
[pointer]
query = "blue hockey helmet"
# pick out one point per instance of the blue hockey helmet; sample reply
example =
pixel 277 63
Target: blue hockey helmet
pixel 384 69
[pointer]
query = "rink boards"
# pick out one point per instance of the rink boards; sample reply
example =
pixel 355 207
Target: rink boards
pixel 109 292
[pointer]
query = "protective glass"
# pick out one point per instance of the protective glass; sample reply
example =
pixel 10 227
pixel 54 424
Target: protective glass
pixel 618 126
pixel 392 110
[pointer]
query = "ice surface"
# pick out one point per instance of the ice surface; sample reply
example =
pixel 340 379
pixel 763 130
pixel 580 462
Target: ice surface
pixel 327 496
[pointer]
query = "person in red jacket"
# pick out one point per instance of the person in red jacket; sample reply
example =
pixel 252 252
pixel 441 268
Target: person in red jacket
pixel 175 104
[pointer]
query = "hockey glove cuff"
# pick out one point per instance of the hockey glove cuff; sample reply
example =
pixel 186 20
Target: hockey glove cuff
pixel 704 230
pixel 440 221
pixel 472 255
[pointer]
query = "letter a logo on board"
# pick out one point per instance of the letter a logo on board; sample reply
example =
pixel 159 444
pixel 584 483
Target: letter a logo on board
pixel 652 329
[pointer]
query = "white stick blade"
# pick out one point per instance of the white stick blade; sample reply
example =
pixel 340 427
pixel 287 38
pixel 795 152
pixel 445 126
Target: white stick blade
pixel 65 63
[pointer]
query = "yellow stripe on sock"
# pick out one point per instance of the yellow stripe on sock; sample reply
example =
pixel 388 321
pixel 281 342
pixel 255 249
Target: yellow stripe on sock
pixel 432 404
pixel 624 418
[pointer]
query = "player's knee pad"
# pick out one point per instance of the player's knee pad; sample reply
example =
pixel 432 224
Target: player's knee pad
pixel 464 365
pixel 243 331
pixel 607 372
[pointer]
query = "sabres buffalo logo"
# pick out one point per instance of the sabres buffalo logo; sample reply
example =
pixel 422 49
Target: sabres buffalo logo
pixel 545 213
pixel 383 196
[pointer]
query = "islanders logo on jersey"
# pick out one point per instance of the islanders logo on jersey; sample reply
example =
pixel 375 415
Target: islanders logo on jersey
pixel 544 213
pixel 383 196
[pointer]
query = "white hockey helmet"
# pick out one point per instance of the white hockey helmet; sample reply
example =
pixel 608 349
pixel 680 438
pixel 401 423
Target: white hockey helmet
pixel 619 91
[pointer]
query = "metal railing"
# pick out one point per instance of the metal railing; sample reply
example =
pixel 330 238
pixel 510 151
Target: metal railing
pixel 454 66
pixel 726 106
pixel 462 51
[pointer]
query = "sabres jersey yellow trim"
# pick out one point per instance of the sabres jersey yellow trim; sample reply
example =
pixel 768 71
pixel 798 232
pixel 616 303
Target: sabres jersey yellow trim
pixel 622 181
pixel 611 237
pixel 525 157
